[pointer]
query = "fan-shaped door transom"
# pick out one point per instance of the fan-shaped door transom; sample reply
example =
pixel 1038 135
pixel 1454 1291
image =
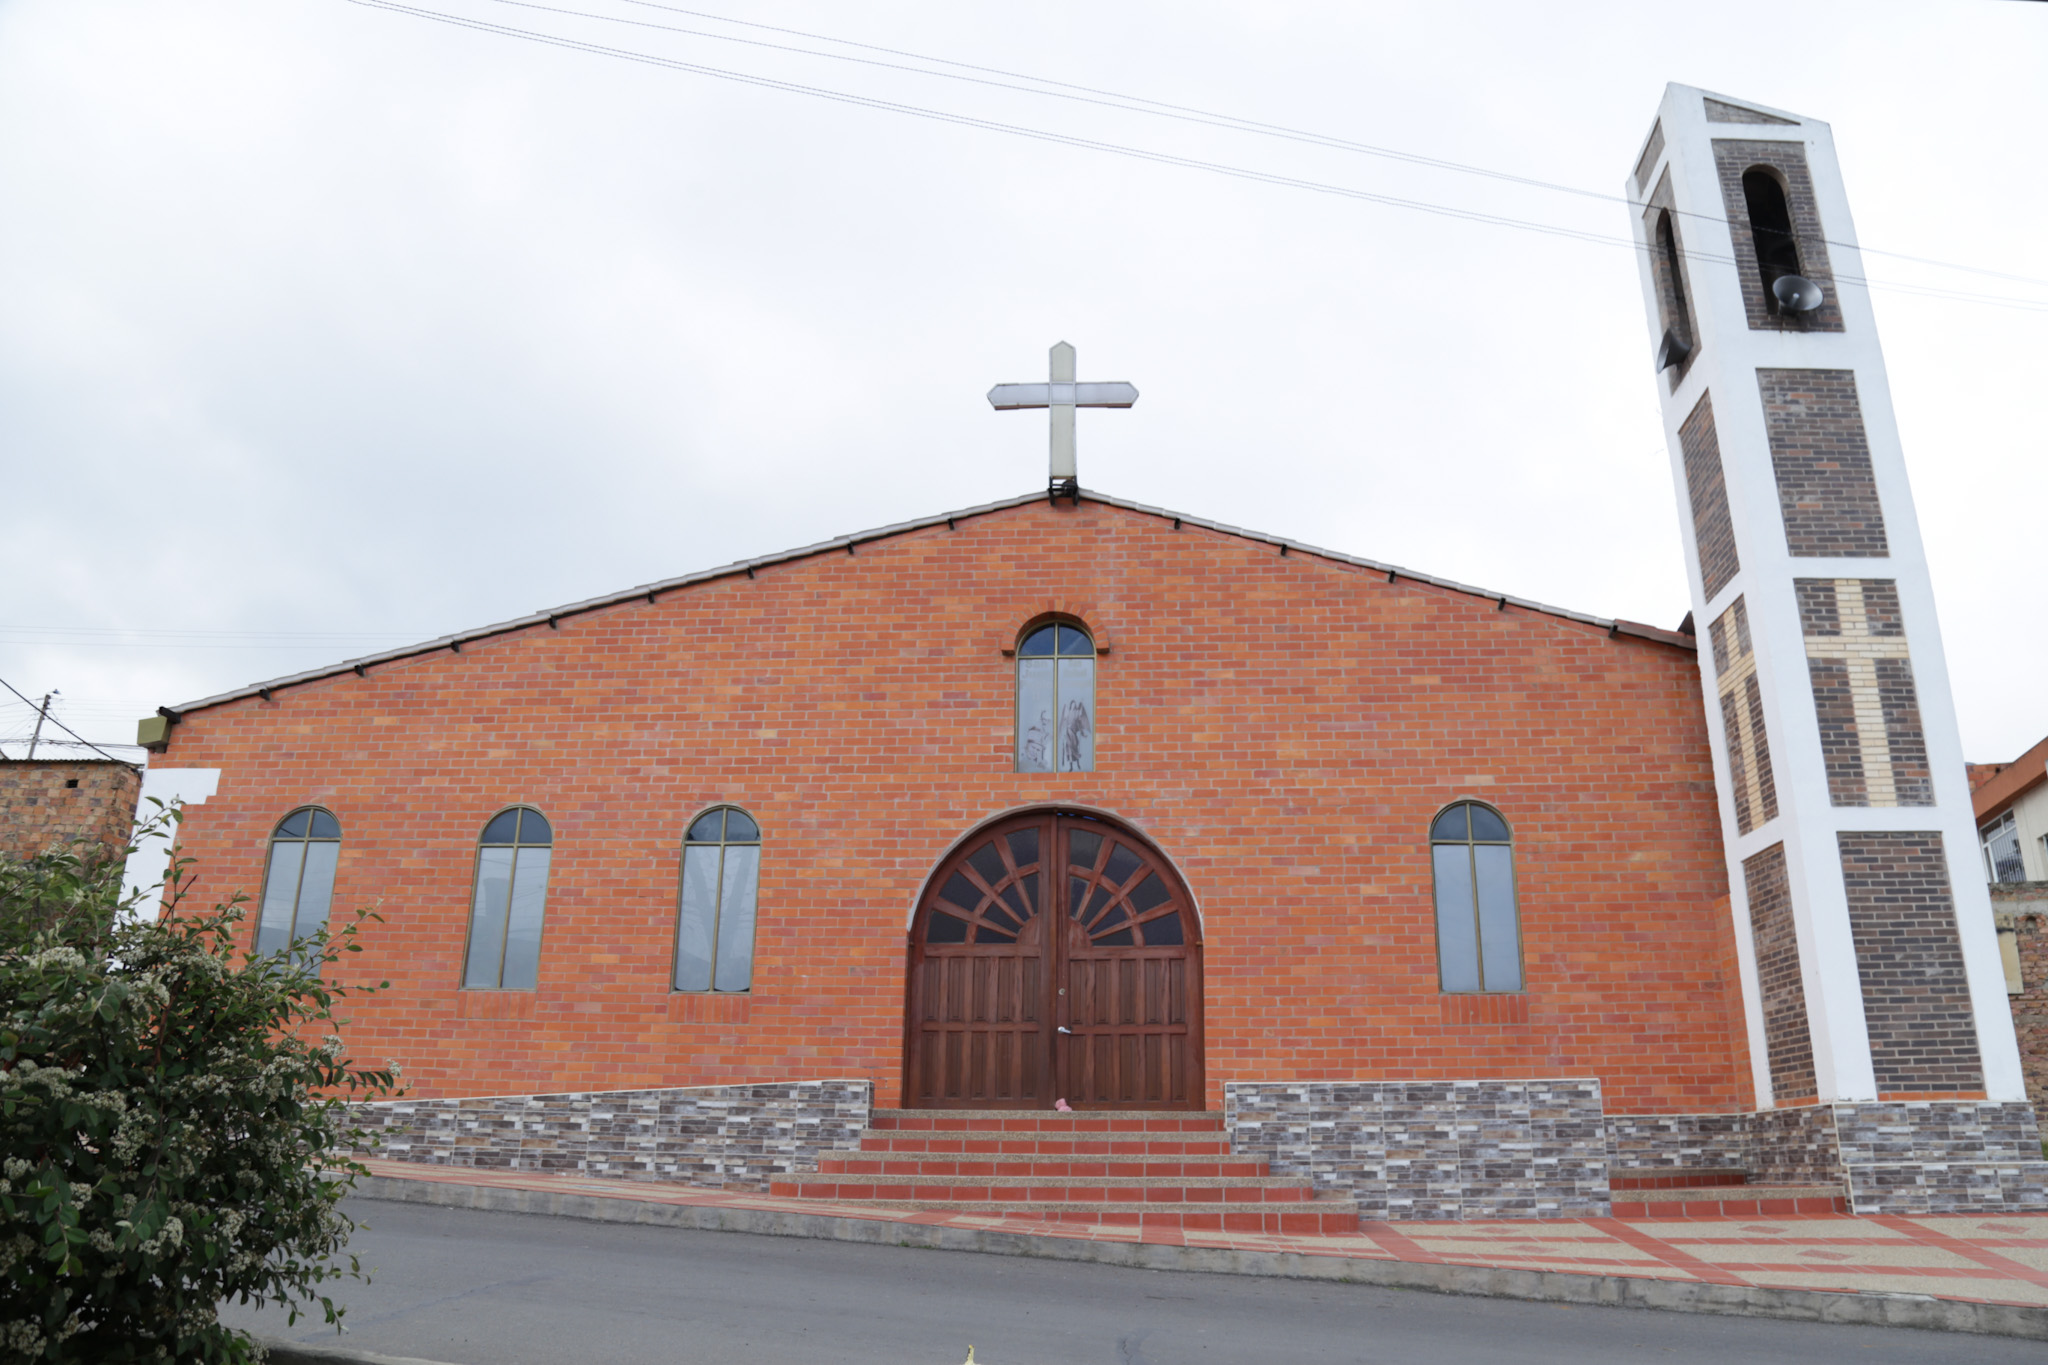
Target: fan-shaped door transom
pixel 1054 956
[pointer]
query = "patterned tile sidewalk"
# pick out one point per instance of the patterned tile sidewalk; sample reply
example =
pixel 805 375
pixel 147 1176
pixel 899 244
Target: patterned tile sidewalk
pixel 1988 1259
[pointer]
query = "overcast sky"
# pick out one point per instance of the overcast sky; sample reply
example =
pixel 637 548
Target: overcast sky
pixel 328 328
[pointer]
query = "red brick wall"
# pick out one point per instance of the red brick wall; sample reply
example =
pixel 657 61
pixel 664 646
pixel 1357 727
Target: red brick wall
pixel 39 811
pixel 1282 726
pixel 1980 773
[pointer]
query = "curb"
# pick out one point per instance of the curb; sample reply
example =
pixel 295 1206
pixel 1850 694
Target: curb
pixel 298 1353
pixel 1541 1286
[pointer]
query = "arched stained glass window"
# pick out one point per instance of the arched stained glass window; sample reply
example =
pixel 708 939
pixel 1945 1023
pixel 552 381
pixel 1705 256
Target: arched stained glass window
pixel 1478 930
pixel 511 895
pixel 1056 700
pixel 298 884
pixel 715 920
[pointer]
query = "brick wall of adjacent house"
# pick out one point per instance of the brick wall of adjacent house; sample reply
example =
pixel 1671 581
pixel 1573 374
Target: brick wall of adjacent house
pixel 2023 906
pixel 46 804
pixel 1980 773
pixel 1283 727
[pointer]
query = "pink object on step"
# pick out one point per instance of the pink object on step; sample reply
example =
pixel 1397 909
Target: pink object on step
pixel 1063 1106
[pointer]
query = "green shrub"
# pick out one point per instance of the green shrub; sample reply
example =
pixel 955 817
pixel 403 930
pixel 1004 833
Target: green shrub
pixel 174 1129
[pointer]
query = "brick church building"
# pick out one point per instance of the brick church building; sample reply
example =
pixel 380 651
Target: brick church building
pixel 1068 798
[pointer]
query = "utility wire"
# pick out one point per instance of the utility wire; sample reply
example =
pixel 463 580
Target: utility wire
pixel 201 631
pixel 61 725
pixel 1136 153
pixel 101 637
pixel 74 744
pixel 1139 104
pixel 178 644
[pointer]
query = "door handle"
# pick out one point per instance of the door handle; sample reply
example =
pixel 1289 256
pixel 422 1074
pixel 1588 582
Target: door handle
pixel 1064 1029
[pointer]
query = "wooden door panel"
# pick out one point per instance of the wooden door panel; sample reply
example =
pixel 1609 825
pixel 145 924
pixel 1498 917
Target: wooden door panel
pixel 1054 956
pixel 981 1030
pixel 979 976
pixel 1131 962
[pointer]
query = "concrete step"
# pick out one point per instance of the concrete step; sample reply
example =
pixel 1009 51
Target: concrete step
pixel 1047 1120
pixel 1721 1201
pixel 1005 1166
pixel 1135 1190
pixel 1674 1177
pixel 1315 1218
pixel 944 1141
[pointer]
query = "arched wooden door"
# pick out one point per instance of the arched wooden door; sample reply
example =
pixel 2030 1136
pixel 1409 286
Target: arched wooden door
pixel 1054 956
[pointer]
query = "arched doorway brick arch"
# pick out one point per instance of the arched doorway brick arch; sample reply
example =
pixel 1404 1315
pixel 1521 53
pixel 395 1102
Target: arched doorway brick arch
pixel 1054 954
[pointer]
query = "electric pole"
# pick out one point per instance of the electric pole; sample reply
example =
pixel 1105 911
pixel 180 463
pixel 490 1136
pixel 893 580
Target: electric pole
pixel 41 716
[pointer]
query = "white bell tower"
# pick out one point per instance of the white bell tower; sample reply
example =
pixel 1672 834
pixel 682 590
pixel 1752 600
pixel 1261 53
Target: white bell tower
pixel 1870 966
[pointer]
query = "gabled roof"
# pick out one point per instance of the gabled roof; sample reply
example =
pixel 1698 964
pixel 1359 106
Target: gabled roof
pixel 842 543
pixel 2013 781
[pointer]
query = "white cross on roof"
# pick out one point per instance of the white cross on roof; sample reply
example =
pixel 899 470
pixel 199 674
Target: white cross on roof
pixel 1062 395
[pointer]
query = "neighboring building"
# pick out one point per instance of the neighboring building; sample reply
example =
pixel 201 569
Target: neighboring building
pixel 2021 911
pixel 2012 825
pixel 1980 773
pixel 46 803
pixel 1066 797
pixel 2012 818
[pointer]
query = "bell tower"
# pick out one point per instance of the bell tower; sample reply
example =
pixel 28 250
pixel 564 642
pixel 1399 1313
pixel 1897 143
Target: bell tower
pixel 1870 967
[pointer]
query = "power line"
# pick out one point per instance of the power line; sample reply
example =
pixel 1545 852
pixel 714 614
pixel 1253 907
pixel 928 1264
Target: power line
pixel 207 633
pixel 1137 153
pixel 75 744
pixel 175 644
pixel 100 637
pixel 60 724
pixel 1139 104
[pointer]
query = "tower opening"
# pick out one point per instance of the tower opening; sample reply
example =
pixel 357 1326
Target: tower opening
pixel 1770 228
pixel 1671 289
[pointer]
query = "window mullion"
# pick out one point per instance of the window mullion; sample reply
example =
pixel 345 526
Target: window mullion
pixel 717 912
pixel 291 932
pixel 1478 923
pixel 511 898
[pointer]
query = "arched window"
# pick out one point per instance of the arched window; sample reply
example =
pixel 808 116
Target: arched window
pixel 1770 227
pixel 1478 932
pixel 1056 700
pixel 298 885
pixel 511 894
pixel 715 921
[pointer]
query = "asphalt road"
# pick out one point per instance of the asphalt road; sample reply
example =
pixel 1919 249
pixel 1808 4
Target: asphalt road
pixel 517 1289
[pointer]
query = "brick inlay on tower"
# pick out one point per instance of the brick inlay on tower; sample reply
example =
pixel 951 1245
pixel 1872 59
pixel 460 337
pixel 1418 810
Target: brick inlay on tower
pixel 1786 1034
pixel 1826 490
pixel 1916 996
pixel 1713 529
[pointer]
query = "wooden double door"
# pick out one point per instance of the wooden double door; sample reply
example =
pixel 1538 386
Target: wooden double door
pixel 1055 955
